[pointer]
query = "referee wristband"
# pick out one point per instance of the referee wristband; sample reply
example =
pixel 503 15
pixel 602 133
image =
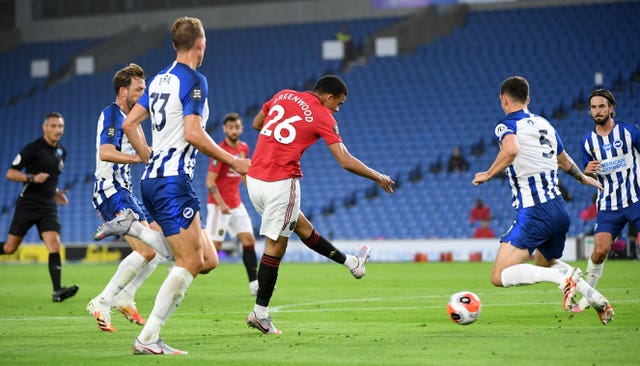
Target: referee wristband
pixel 29 178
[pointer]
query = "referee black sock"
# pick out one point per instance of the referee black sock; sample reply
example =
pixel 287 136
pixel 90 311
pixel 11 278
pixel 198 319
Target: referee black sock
pixel 322 246
pixel 267 277
pixel 250 262
pixel 55 270
pixel 2 247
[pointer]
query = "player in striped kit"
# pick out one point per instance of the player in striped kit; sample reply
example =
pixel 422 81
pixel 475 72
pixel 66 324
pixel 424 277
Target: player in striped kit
pixel 176 102
pixel 610 152
pixel 531 152
pixel 112 195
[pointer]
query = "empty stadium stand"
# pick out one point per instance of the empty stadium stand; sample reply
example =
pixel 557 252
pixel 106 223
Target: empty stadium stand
pixel 401 113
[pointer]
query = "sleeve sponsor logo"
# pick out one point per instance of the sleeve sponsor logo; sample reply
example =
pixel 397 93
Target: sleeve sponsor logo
pixel 196 94
pixel 500 130
pixel 336 129
pixel 111 132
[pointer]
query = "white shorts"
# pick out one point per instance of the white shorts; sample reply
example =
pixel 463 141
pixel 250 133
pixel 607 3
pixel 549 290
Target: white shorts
pixel 218 224
pixel 279 204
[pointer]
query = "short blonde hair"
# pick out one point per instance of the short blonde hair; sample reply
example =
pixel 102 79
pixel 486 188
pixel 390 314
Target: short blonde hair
pixel 185 31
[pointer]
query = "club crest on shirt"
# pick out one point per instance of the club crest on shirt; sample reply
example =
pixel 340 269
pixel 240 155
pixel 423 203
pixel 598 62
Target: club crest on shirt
pixel 220 232
pixel 196 93
pixel 617 144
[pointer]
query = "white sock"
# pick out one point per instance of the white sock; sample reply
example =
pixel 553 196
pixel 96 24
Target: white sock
pixel 168 298
pixel 594 272
pixel 142 275
pixel 561 266
pixel 127 270
pixel 592 296
pixel 261 311
pixel 351 261
pixel 152 238
pixel 528 274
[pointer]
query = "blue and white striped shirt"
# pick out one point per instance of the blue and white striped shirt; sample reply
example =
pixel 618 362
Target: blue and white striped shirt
pixel 174 93
pixel 618 154
pixel 533 175
pixel 109 177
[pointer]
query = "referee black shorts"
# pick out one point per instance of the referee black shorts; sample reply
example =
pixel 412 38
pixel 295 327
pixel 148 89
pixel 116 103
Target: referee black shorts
pixel 44 216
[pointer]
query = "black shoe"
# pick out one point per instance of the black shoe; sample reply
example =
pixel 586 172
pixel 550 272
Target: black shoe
pixel 64 293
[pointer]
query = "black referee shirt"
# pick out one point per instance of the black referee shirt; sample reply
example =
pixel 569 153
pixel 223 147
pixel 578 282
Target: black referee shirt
pixel 40 157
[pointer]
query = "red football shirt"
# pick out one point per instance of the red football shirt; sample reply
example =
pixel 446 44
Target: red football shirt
pixel 484 232
pixel 294 121
pixel 228 180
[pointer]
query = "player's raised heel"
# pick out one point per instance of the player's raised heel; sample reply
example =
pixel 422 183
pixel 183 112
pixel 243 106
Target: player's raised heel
pixel 120 225
pixel 359 270
pixel 606 314
pixel 101 313
pixel 568 287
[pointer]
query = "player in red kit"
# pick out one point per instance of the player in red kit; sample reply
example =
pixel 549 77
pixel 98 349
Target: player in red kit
pixel 289 123
pixel 225 210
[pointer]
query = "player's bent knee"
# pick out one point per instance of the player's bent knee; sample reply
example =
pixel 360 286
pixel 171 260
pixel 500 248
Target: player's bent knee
pixel 147 253
pixel 496 279
pixel 9 250
pixel 599 255
pixel 209 265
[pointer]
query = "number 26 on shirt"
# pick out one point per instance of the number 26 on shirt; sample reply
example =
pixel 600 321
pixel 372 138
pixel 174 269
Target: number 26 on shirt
pixel 276 113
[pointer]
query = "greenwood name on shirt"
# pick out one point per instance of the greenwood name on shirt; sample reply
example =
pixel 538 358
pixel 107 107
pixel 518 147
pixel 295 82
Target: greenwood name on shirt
pixel 294 121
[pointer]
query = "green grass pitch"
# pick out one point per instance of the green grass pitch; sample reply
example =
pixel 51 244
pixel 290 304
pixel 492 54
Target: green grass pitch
pixel 394 316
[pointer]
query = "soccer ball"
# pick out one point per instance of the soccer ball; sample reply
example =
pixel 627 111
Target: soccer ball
pixel 464 307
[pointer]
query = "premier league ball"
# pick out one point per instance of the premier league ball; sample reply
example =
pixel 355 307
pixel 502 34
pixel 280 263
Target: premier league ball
pixel 464 307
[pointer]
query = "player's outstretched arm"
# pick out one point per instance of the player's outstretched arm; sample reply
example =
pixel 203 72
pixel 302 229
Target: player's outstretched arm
pixel 108 152
pixel 566 163
pixel 355 166
pixel 133 129
pixel 507 154
pixel 196 136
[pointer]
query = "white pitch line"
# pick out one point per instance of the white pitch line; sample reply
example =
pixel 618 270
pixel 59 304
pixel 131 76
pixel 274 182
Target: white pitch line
pixel 287 308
